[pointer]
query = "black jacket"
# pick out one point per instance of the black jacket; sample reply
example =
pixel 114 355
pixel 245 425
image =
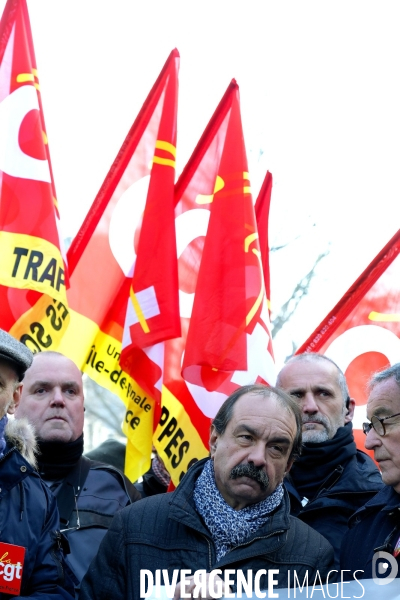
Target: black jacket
pixel 374 527
pixel 166 532
pixel 347 488
pixel 29 518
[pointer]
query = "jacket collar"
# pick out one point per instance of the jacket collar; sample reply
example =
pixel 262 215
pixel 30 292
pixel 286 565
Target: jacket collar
pixel 13 468
pixel 386 500
pixel 359 476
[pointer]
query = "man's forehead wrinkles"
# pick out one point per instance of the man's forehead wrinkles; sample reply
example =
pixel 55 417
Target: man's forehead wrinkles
pixel 246 427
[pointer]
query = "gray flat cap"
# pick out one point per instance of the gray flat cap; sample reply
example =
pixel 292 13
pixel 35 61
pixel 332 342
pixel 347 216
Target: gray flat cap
pixel 16 353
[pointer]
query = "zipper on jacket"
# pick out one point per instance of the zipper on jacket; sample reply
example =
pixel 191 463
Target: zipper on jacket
pixel 8 454
pixel 58 543
pixel 209 549
pixel 260 537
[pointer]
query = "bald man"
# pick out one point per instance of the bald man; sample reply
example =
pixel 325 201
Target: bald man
pixel 88 493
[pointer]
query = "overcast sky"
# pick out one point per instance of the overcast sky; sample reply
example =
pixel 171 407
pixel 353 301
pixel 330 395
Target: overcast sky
pixel 320 98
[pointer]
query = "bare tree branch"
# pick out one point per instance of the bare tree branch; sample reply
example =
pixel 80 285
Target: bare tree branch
pixel 104 406
pixel 301 290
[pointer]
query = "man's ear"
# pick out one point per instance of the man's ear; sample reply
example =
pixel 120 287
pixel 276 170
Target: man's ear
pixel 351 404
pixel 289 466
pixel 213 440
pixel 15 401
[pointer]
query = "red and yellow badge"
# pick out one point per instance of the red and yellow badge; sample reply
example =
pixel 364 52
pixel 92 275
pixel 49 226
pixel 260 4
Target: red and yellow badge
pixel 11 567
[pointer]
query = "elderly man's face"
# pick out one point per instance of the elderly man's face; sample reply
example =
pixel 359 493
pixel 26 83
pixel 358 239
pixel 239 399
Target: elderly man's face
pixel 315 385
pixel 383 401
pixel 52 398
pixel 260 435
pixel 10 389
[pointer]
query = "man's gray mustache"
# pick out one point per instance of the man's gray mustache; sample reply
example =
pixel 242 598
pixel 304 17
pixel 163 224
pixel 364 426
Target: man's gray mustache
pixel 249 470
pixel 316 419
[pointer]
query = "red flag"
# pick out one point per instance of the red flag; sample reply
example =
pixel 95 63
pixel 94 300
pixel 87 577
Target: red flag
pixel 217 247
pixel 153 309
pixel 229 294
pixel 361 333
pixel 32 263
pixel 102 261
pixel 261 208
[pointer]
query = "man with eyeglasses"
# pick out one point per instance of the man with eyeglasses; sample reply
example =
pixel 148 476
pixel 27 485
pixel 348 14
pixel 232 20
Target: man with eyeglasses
pixel 376 526
pixel 331 479
pixel 88 493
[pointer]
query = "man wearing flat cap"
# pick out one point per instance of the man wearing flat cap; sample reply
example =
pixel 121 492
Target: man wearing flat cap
pixel 30 544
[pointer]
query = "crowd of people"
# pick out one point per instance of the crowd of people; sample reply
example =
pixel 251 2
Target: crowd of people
pixel 284 490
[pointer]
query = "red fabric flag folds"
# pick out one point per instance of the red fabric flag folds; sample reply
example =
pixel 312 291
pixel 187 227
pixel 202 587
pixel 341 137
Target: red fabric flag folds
pixel 362 332
pixel 224 316
pixel 261 208
pixel 30 248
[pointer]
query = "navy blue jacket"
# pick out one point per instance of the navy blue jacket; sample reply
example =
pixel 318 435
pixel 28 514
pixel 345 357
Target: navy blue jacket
pixel 165 531
pixel 347 488
pixel 105 491
pixel 374 527
pixel 29 518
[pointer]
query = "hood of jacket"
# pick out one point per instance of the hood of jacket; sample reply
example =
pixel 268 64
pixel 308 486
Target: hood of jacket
pixel 20 434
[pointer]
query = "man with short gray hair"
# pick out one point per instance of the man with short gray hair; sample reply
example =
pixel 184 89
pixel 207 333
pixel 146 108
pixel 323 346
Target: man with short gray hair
pixel 375 527
pixel 331 479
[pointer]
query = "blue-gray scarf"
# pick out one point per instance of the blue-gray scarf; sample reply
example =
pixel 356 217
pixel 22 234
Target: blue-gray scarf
pixel 229 527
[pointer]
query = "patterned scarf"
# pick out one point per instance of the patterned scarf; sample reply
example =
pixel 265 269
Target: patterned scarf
pixel 229 527
pixel 3 423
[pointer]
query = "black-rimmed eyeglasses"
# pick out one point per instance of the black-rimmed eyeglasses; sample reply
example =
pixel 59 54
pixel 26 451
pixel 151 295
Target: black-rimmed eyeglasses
pixel 378 424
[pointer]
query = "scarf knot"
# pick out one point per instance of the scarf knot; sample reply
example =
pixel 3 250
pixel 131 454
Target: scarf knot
pixel 229 527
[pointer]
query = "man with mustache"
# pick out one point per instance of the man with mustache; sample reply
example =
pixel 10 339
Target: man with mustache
pixel 230 511
pixel 88 493
pixel 331 479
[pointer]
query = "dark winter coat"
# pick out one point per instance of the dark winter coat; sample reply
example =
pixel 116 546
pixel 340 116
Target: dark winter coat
pixel 29 518
pixel 374 527
pixel 105 491
pixel 346 489
pixel 166 532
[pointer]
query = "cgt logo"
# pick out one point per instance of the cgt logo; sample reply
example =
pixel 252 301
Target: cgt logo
pixel 384 568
